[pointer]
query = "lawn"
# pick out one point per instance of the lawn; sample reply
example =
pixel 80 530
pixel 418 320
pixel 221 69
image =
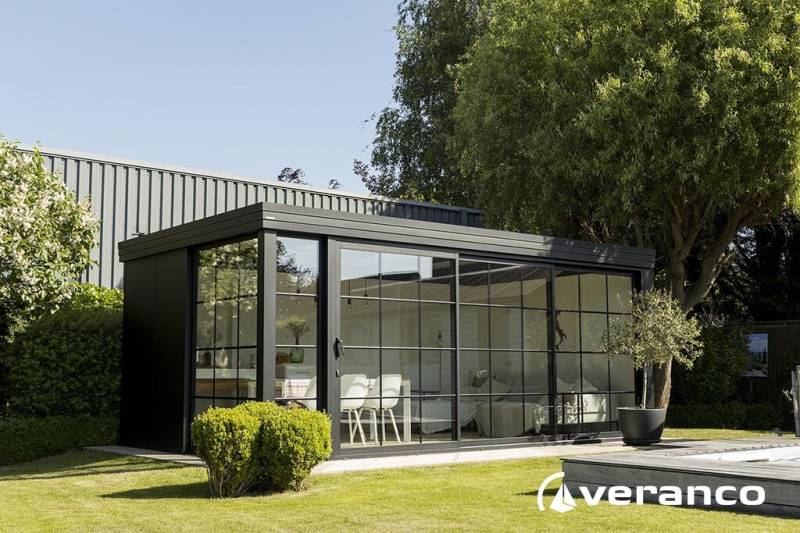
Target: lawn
pixel 91 491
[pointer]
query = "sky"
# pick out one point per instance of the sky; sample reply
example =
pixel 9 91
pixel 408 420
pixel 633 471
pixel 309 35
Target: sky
pixel 245 88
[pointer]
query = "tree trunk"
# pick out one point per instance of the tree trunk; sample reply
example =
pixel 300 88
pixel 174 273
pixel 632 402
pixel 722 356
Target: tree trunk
pixel 662 384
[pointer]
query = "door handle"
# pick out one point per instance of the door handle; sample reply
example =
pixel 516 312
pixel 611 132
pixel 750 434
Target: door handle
pixel 338 350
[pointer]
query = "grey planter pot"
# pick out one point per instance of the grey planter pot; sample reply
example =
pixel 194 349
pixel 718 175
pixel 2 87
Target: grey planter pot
pixel 641 427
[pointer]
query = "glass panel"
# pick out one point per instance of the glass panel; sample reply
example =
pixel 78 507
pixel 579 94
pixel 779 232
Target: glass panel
pixel 474 326
pixel 388 421
pixel 437 372
pixel 592 328
pixel 399 323
pixel 621 400
pixel 536 330
pixel 406 364
pixel 202 405
pixel 437 279
pixel 297 265
pixel 296 375
pixel 247 373
pixel 205 325
pixel 622 373
pixel 568 372
pixel 506 328
pixel 476 421
pixel 566 291
pixel 226 311
pixel 226 329
pixel 507 372
pixel 248 316
pixel 596 408
pixel 534 287
pixel 567 331
pixel 359 273
pixel 296 322
pixel 507 416
pixel 475 371
pixel 437 325
pixel 361 361
pixel 535 365
pixel 505 287
pixel 537 414
pixel 360 322
pixel 593 292
pixel 619 294
pixel 399 276
pixel 595 373
pixel 436 419
pixel 474 282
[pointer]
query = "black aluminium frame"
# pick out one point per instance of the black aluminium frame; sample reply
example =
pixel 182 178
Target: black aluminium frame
pixel 266 222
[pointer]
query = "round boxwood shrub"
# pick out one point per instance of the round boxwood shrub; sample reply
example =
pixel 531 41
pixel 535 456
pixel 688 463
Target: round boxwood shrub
pixel 227 442
pixel 260 445
pixel 68 362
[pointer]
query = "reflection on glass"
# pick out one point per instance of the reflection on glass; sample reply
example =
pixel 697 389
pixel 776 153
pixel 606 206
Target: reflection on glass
pixel 437 279
pixel 436 419
pixel 360 274
pixel 474 282
pixel 622 373
pixel 535 372
pixel 536 329
pixel 360 322
pixel 297 310
pixel 534 287
pixel 567 328
pixel 475 372
pixel 506 328
pixel 296 322
pixel 566 291
pixel 593 292
pixel 568 375
pixel 404 362
pixel 507 372
pixel 225 319
pixel 436 372
pixel 399 276
pixel 595 373
pixel 399 323
pixel 436 322
pixel 297 265
pixel 474 326
pixel 592 328
pixel 619 294
pixel 505 286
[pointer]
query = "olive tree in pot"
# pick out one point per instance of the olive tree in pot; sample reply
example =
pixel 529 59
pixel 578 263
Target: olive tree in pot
pixel 658 331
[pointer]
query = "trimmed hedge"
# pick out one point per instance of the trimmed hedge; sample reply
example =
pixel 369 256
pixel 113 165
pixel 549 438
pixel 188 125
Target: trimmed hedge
pixel 260 445
pixel 733 415
pixel 68 362
pixel 24 439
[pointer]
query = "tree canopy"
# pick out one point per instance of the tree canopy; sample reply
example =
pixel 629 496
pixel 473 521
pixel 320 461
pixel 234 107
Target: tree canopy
pixel 45 237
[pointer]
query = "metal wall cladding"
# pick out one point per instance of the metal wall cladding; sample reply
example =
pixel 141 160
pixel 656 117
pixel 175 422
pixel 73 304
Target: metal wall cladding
pixel 131 198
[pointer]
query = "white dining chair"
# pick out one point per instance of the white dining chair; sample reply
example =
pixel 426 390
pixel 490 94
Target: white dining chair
pixel 382 397
pixel 354 388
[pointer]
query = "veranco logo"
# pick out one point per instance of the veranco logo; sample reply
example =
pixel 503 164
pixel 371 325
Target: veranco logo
pixel 724 496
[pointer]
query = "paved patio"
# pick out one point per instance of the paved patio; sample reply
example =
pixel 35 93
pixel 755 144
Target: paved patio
pixel 404 461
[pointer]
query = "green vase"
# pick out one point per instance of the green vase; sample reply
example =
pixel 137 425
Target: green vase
pixel 296 355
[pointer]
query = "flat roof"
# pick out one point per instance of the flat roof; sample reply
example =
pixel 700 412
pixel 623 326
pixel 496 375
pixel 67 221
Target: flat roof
pixel 392 231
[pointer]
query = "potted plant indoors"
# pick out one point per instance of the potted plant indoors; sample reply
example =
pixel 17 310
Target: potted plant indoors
pixel 298 326
pixel 657 333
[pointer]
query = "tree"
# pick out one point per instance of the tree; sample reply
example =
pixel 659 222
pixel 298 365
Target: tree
pixel 334 184
pixel 292 175
pixel 658 332
pixel 410 149
pixel 45 238
pixel 652 122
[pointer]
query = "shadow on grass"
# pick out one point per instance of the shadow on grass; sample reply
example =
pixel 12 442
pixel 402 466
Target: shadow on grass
pixel 195 490
pixel 547 492
pixel 78 463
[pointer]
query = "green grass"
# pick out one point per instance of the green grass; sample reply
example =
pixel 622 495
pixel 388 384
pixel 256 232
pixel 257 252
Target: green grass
pixel 92 491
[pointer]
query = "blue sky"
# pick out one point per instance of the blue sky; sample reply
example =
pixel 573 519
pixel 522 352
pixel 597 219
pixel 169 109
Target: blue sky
pixel 241 87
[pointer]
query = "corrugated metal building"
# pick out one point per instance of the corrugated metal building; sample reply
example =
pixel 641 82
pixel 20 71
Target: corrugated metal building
pixel 132 198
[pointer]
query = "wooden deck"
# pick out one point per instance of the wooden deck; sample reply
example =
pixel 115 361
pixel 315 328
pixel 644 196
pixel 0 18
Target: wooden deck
pixel 671 463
